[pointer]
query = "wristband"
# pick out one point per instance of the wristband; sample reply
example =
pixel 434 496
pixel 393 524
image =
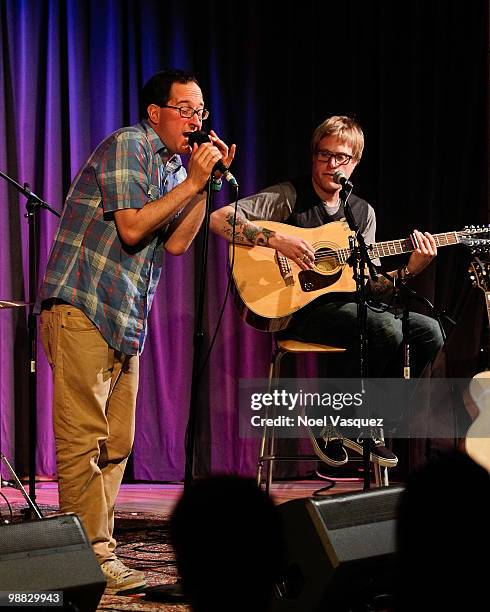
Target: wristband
pixel 404 273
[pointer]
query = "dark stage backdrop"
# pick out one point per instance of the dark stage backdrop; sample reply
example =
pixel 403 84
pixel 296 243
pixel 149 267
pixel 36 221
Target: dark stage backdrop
pixel 415 74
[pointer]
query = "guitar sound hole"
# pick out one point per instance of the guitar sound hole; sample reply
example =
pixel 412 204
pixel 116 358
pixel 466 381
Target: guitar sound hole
pixel 326 260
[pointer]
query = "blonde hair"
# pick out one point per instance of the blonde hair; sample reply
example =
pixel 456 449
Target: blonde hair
pixel 346 129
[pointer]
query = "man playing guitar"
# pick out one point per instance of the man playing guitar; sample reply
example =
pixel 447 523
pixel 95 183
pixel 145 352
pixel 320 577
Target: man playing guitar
pixel 313 201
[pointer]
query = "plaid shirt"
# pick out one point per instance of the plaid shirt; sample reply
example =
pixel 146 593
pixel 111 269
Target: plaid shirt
pixel 89 266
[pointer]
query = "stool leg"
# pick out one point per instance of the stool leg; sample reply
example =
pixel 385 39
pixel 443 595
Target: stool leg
pixel 272 439
pixel 272 445
pixel 260 461
pixel 381 475
pixel 385 478
pixel 264 446
pixel 267 446
pixel 259 472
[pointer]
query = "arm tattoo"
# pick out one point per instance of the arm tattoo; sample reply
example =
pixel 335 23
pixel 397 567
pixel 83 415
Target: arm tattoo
pixel 246 232
pixel 263 236
pixel 381 288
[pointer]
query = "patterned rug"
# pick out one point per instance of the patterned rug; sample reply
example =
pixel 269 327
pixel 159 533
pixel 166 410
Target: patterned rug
pixel 143 544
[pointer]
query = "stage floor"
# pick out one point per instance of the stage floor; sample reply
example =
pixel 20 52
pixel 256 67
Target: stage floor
pixel 161 498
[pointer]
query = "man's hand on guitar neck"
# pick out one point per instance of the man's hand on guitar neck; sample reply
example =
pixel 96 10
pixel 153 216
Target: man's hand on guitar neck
pixel 424 253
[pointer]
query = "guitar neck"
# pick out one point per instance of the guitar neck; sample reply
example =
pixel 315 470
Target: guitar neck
pixel 397 247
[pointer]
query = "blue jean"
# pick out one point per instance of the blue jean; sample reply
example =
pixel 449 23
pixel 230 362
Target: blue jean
pixel 336 323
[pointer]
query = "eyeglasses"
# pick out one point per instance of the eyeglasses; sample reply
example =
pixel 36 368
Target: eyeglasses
pixel 187 112
pixel 340 159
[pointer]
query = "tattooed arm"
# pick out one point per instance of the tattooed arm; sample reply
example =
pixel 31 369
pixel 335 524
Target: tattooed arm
pixel 246 232
pixel 382 288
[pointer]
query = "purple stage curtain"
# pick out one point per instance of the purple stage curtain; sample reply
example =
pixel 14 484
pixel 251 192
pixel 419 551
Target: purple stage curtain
pixel 70 72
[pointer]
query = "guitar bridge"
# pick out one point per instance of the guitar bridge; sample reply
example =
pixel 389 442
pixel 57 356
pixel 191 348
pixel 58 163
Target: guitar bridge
pixel 284 269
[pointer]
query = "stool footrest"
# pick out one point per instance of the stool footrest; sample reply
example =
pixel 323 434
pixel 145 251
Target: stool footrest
pixel 288 458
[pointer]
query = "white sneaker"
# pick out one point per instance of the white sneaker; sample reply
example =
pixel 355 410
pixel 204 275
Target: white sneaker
pixel 121 578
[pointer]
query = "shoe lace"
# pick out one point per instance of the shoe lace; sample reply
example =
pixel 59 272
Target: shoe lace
pixel 117 569
pixel 330 434
pixel 378 436
pixel 375 434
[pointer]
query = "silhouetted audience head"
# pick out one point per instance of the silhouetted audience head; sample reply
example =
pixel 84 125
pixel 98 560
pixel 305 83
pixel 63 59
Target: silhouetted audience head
pixel 228 544
pixel 443 532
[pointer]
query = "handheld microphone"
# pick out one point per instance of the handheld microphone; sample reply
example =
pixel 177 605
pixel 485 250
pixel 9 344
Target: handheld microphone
pixel 340 178
pixel 199 137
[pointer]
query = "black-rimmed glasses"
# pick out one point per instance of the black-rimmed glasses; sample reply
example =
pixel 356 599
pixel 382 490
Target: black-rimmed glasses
pixel 340 159
pixel 187 112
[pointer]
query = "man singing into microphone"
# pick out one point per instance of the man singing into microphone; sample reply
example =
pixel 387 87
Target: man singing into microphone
pixel 310 201
pixel 131 200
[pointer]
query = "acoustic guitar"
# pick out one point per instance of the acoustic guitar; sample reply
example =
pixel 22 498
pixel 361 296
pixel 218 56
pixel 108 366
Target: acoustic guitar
pixel 270 288
pixel 477 440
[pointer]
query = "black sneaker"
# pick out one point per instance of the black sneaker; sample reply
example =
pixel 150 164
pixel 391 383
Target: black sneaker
pixel 329 447
pixel 378 453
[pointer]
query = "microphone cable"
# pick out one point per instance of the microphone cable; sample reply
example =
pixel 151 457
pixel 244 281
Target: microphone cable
pixel 227 292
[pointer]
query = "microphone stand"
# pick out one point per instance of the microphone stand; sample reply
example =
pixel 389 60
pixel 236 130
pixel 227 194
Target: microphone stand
pixel 401 299
pixel 198 343
pixel 173 593
pixel 405 293
pixel 33 204
pixel 438 315
pixel 360 259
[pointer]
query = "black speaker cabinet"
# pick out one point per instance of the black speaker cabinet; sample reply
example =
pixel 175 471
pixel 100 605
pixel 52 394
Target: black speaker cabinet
pixel 340 550
pixel 51 554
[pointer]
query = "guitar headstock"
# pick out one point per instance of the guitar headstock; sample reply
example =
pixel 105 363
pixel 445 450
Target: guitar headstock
pixel 476 238
pixel 480 273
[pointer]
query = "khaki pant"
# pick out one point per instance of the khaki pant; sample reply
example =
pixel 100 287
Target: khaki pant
pixel 94 404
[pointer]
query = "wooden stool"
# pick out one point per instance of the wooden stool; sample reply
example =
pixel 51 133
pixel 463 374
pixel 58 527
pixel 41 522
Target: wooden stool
pixel 267 446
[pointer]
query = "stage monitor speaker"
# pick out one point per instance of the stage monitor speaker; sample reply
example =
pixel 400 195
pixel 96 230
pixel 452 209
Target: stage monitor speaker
pixel 51 554
pixel 340 551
